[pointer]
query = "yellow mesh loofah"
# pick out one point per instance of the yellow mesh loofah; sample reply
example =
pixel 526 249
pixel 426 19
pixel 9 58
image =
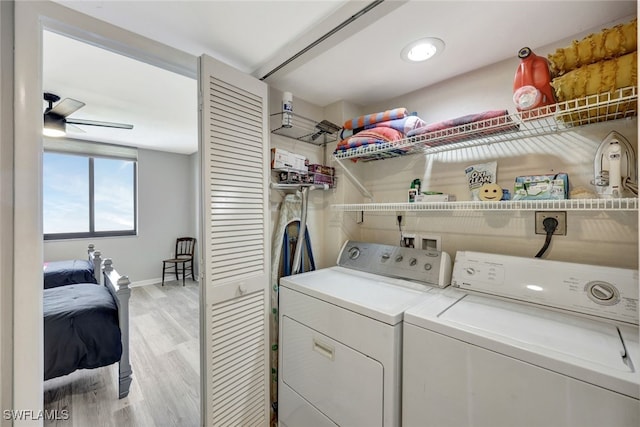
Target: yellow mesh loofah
pixel 603 76
pixel 607 44
pixel 602 80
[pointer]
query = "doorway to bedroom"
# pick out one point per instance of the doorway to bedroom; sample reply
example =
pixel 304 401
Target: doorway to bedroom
pixel 163 147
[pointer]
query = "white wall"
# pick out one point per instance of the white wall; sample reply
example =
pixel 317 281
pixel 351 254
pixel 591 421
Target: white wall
pixel 166 210
pixel 605 238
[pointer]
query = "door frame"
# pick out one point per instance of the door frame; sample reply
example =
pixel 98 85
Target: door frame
pixel 31 19
pixel 6 210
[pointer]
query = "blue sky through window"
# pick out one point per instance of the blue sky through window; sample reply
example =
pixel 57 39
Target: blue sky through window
pixel 66 194
pixel 113 194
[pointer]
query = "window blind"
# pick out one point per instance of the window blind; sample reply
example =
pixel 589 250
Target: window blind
pixel 90 148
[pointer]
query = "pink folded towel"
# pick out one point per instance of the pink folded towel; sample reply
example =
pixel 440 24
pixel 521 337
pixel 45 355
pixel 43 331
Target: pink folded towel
pixel 369 119
pixel 376 135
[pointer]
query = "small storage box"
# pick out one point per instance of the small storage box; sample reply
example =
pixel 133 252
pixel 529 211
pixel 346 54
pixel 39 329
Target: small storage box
pixel 429 198
pixel 299 162
pixel 281 159
pixel 541 187
pixel 291 177
pixel 325 170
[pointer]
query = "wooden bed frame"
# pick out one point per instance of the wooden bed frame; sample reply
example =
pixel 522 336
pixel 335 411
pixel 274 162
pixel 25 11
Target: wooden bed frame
pixel 119 286
pixel 96 258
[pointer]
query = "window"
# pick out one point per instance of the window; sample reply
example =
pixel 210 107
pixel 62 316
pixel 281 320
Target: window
pixel 88 195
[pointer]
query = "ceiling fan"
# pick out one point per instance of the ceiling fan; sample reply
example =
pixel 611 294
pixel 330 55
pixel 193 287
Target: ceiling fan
pixel 56 118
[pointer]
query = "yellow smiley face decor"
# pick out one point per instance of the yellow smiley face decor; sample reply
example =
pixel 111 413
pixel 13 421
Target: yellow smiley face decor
pixel 490 192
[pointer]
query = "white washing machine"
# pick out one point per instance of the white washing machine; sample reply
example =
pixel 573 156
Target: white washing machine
pixel 341 334
pixel 524 342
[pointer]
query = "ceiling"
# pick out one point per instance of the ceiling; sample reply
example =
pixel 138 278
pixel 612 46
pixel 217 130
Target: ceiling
pixel 359 63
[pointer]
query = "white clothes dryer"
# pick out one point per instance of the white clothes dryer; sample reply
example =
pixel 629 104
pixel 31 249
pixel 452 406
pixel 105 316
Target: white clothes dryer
pixel 341 334
pixel 524 342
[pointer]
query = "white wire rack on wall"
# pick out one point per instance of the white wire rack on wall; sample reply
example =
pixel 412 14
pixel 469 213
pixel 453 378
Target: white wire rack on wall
pixel 304 129
pixel 630 204
pixel 299 187
pixel 546 120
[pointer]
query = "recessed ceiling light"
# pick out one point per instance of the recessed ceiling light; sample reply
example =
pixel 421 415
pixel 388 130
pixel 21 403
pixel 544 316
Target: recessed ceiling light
pixel 423 49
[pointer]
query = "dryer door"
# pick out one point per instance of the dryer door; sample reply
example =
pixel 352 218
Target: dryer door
pixel 343 384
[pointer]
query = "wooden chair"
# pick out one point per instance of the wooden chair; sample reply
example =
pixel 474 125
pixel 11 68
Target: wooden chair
pixel 185 246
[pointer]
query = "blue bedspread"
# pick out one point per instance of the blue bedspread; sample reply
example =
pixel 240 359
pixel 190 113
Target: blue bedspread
pixel 60 273
pixel 81 329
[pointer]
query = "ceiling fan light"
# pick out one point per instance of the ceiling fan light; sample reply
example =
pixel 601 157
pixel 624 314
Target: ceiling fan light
pixel 54 126
pixel 421 50
pixel 54 133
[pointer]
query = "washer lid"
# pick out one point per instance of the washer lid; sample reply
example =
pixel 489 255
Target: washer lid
pixel 382 298
pixel 571 336
pixel 586 349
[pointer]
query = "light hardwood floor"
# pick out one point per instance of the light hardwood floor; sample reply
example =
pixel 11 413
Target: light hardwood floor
pixel 165 361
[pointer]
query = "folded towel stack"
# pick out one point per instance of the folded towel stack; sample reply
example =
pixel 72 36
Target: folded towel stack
pixel 375 130
pixel 370 119
pixel 379 128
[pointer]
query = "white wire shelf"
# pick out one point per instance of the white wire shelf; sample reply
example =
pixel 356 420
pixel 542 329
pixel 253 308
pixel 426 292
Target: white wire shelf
pixel 303 129
pixel 630 204
pixel 547 120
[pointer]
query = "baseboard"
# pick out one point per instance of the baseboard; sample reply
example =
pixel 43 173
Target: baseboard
pixel 149 282
pixel 146 282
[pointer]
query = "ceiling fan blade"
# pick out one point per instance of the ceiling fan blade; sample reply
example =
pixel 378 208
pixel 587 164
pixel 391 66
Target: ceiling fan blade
pixel 97 123
pixel 66 107
pixel 74 128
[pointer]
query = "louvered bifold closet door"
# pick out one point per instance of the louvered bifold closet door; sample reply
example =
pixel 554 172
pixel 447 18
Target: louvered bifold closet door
pixel 234 152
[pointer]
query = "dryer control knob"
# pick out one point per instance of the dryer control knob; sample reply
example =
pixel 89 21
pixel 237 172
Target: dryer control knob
pixel 413 262
pixel 354 252
pixel 428 266
pixel 385 256
pixel 602 292
pixel 399 258
pixel 470 271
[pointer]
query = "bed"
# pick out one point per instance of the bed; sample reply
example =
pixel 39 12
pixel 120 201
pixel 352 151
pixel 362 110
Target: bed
pixel 66 272
pixel 86 323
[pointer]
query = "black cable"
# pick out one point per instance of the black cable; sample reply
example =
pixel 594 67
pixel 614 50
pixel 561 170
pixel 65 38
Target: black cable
pixel 544 248
pixel 400 228
pixel 550 225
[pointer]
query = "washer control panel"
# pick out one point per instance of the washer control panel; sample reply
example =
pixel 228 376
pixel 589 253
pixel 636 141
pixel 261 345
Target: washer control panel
pixel 608 292
pixel 421 265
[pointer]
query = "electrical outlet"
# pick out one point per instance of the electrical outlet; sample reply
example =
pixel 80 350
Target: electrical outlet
pixel 409 240
pixel 401 215
pixel 431 242
pixel 560 216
